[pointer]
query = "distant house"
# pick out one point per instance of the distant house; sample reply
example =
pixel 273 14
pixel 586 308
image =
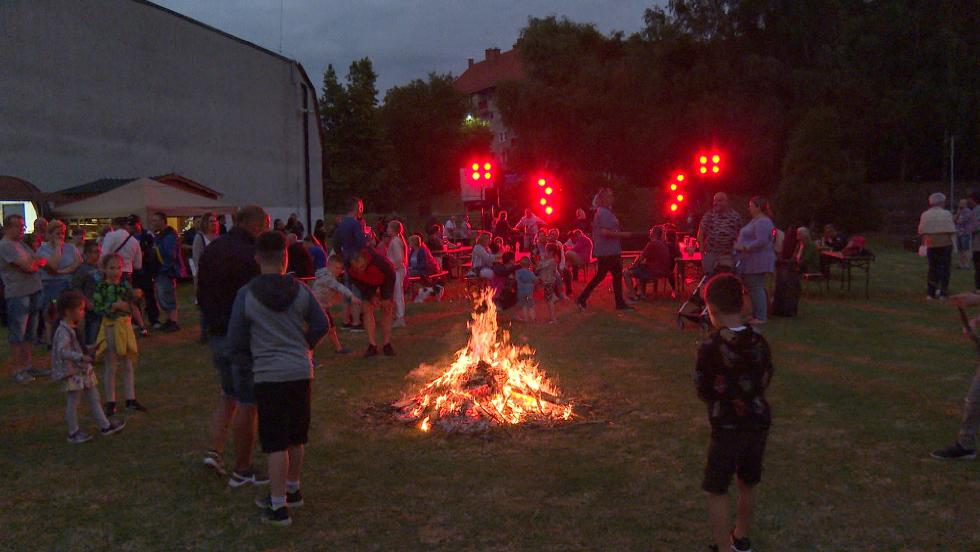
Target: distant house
pixel 479 82
pixel 126 87
pixel 20 197
pixel 173 194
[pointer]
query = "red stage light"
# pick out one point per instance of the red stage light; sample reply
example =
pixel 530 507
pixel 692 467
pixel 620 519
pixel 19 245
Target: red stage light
pixel 548 190
pixel 476 166
pixel 704 170
pixel 544 201
pixel 673 207
pixel 476 176
pixel 673 187
pixel 715 169
pixel 680 197
pixel 548 210
pixel 486 176
pixel 703 159
pixel 716 158
pixel 486 166
pixel 680 177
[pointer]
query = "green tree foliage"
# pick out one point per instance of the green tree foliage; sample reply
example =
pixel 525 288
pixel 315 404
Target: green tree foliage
pixel 425 134
pixel 902 76
pixel 822 181
pixel 353 140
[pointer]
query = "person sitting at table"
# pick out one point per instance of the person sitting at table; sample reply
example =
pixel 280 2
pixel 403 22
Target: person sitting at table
pixel 807 256
pixel 654 262
pixel 578 254
pixel 832 238
pixel 482 258
pixel 423 265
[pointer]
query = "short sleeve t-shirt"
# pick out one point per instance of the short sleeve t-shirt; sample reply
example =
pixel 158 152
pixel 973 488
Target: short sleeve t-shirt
pixel 69 254
pixel 605 246
pixel 17 283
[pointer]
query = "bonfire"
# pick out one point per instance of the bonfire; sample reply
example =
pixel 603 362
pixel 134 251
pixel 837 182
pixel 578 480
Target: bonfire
pixel 490 382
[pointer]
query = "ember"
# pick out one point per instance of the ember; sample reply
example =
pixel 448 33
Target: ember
pixel 491 382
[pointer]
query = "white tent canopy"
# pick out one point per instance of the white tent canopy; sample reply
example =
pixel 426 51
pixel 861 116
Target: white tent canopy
pixel 143 196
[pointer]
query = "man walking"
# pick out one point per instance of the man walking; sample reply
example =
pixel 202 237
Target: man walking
pixel 607 250
pixel 166 250
pixel 227 265
pixel 717 234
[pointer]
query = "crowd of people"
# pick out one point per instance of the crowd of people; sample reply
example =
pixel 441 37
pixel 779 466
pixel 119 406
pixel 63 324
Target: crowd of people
pixel 265 290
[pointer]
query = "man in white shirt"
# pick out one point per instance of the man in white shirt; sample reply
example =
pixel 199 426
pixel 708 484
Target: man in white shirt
pixel 529 223
pixel 124 244
pixel 449 229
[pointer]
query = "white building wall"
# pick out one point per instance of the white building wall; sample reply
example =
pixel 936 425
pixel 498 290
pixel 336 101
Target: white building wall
pixel 121 88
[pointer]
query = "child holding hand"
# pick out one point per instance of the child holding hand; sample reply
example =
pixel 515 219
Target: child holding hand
pixel 113 300
pixel 71 364
pixel 326 287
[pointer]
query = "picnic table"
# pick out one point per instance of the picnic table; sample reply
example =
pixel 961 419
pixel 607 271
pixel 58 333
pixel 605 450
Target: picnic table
pixel 847 264
pixel 460 256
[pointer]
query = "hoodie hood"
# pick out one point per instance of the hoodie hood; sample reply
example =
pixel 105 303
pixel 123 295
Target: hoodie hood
pixel 276 292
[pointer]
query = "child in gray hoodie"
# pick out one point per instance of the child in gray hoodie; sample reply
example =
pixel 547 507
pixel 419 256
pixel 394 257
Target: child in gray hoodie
pixel 277 322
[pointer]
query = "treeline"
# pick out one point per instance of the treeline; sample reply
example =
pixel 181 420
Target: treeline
pixel 402 151
pixel 810 101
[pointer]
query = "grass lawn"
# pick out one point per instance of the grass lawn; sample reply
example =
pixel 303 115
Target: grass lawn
pixel 863 391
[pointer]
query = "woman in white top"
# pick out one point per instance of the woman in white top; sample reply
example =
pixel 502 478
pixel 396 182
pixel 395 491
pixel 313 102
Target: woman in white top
pixel 397 253
pixel 482 258
pixel 208 230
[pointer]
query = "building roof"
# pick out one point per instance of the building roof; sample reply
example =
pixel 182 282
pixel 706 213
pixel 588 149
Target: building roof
pixel 99 186
pixel 103 185
pixel 18 189
pixel 484 75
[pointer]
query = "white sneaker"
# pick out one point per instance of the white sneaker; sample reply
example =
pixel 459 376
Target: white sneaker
pixel 400 323
pixel 423 295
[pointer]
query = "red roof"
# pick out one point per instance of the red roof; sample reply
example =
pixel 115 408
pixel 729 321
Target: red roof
pixel 486 74
pixel 17 189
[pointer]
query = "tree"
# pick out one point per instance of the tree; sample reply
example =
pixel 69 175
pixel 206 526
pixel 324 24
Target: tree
pixel 822 181
pixel 353 139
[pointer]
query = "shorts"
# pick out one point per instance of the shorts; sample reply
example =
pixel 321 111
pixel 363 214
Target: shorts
pixel 166 288
pixel 51 290
pixel 22 316
pixel 284 414
pixel 369 292
pixel 235 382
pixel 525 299
pixel 964 242
pixel 734 451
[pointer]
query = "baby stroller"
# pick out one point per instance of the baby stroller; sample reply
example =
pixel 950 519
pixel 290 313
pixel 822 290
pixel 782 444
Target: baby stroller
pixel 694 310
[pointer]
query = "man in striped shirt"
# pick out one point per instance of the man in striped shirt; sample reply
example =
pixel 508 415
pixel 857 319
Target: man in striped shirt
pixel 717 234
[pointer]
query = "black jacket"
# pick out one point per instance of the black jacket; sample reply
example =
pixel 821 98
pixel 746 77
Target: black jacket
pixel 228 263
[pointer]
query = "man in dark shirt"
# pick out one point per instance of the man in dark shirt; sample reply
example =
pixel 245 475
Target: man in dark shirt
pixel 227 264
pixel 144 278
pixel 349 238
pixel 654 262
pixel 734 368
pixel 374 278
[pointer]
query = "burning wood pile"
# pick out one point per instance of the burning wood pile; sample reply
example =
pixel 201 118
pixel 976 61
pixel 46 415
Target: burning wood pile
pixel 490 383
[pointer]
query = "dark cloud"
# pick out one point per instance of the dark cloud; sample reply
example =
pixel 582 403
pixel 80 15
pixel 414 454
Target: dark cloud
pixel 405 39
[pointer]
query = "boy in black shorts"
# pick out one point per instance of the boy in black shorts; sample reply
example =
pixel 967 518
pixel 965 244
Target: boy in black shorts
pixel 734 368
pixel 374 277
pixel 277 322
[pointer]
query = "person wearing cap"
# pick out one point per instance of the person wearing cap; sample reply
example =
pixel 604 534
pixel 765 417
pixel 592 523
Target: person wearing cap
pixel 937 228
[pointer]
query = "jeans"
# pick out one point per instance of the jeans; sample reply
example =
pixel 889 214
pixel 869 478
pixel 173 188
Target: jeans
pixel 399 295
pixel 756 286
pixel 166 288
pixel 940 259
pixel 22 316
pixel 71 409
pixel 971 415
pixel 611 264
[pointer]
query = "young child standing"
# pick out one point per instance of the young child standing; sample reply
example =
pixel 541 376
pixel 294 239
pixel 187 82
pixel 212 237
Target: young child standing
pixel 548 273
pixel 113 302
pixel 734 368
pixel 525 290
pixel 71 364
pixel 85 280
pixel 326 288
pixel 277 322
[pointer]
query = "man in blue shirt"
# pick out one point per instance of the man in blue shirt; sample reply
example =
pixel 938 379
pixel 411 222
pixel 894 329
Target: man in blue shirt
pixel 349 239
pixel 606 236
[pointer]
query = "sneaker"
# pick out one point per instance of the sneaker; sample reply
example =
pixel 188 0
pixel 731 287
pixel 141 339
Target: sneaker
pixel 278 517
pixel 741 545
pixel 293 500
pixel 372 351
pixel 135 406
pixel 388 350
pixel 23 377
pixel 156 326
pixel 346 326
pixel 343 351
pixel 357 328
pixel 115 426
pixel 954 452
pixel 79 437
pixel 142 332
pixel 400 323
pixel 170 326
pixel 249 476
pixel 212 459
pixel 110 409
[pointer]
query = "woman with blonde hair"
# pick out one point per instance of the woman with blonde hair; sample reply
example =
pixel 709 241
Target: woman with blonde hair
pixel 397 253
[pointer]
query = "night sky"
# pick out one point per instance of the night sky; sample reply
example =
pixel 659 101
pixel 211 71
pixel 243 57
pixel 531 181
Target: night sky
pixel 405 39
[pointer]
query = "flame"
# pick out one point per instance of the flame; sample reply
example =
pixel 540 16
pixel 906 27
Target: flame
pixel 490 381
